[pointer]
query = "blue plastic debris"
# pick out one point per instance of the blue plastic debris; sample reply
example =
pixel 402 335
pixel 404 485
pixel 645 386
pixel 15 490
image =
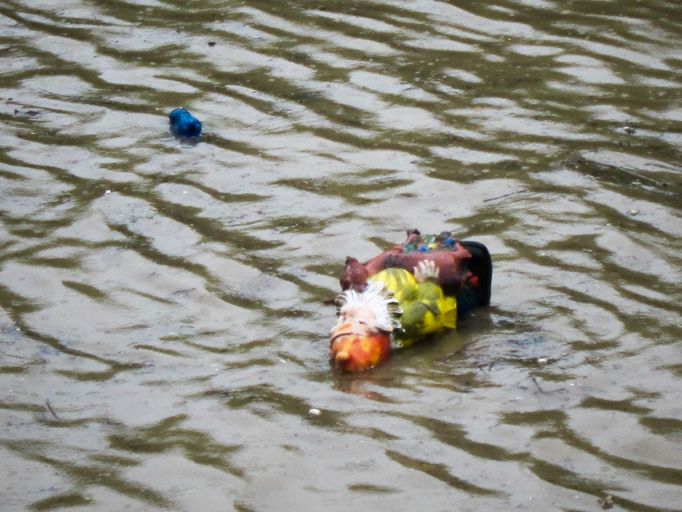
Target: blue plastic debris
pixel 184 124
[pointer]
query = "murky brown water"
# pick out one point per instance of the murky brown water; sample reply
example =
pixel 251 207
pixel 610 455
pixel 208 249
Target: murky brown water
pixel 162 336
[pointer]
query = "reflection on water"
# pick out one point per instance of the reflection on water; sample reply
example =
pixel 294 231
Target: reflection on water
pixel 163 338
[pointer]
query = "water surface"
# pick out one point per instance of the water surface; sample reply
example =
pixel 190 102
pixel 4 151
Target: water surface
pixel 162 333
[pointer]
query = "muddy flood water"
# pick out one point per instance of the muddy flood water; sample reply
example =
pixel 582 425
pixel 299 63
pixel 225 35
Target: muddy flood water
pixel 163 337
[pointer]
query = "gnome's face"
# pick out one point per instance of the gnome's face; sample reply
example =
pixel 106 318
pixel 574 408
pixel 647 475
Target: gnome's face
pixel 361 337
pixel 356 343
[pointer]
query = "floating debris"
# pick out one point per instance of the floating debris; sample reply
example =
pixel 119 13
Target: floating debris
pixel 183 124
pixel 606 502
pixel 25 113
pixel 314 412
pixel 49 407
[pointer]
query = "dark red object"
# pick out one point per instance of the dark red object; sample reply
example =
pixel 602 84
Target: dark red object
pixel 451 265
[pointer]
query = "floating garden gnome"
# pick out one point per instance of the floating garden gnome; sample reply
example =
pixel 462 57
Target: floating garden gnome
pixel 415 289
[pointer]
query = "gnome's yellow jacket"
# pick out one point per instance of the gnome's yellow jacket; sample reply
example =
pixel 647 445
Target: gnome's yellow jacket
pixel 425 308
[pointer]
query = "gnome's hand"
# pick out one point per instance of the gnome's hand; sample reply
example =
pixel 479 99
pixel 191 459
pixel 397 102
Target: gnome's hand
pixel 426 270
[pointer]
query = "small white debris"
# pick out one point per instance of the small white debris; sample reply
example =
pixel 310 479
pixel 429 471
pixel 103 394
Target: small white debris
pixel 108 192
pixel 314 412
pixel 633 212
pixel 542 360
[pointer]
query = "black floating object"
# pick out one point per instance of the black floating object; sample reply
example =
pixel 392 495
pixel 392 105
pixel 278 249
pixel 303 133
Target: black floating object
pixel 183 124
